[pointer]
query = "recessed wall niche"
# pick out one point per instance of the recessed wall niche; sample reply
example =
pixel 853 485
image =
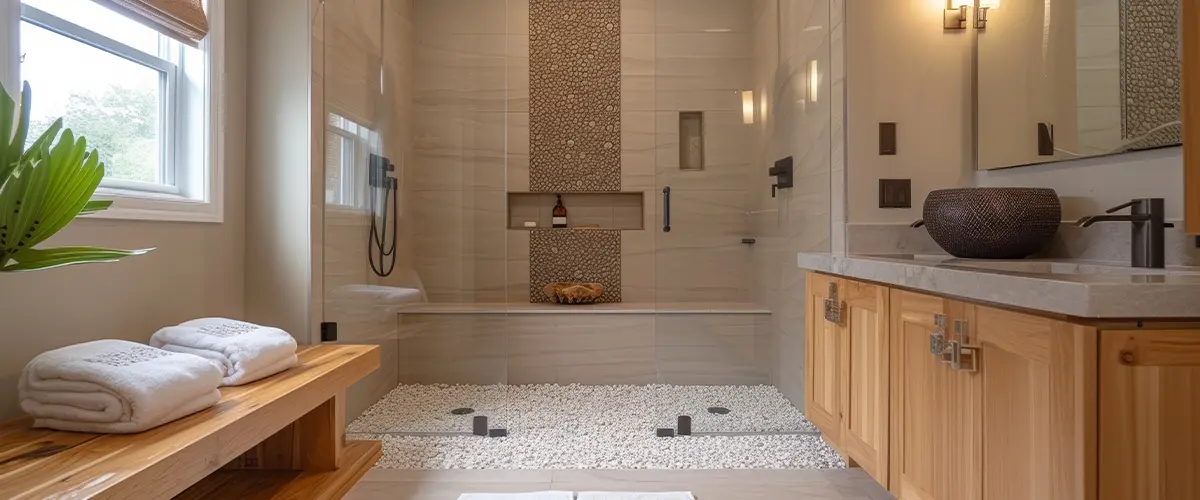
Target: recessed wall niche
pixel 621 211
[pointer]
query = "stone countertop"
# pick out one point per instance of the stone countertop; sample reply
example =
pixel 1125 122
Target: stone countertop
pixel 1073 288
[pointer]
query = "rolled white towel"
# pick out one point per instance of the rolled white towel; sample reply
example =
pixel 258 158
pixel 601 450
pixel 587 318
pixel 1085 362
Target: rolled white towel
pixel 114 386
pixel 245 352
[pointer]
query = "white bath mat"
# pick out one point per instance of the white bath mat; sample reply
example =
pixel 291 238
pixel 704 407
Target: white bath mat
pixel 544 495
pixel 611 495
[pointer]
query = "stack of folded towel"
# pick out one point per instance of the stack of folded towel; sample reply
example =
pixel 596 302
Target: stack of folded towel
pixel 114 386
pixel 245 352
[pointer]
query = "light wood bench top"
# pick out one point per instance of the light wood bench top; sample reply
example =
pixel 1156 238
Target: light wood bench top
pixel 165 461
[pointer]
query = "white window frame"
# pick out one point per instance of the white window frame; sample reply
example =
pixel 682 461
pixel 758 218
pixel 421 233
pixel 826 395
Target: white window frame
pixel 193 156
pixel 354 172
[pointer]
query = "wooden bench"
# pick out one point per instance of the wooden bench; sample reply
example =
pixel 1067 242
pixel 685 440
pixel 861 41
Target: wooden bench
pixel 281 437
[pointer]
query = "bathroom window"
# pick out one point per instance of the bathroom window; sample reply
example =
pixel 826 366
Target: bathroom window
pixel 348 147
pixel 141 98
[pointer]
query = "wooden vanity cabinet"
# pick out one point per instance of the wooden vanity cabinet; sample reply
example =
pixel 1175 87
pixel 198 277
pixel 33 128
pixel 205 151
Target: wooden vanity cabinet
pixel 1017 423
pixel 822 377
pixel 934 417
pixel 847 384
pixel 1052 409
pixel 1149 414
pixel 1037 403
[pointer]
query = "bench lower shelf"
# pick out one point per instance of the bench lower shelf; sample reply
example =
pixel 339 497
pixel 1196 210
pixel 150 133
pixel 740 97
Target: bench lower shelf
pixel 358 458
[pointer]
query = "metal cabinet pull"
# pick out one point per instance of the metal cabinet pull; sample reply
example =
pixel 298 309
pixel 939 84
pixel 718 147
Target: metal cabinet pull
pixel 963 356
pixel 833 307
pixel 937 339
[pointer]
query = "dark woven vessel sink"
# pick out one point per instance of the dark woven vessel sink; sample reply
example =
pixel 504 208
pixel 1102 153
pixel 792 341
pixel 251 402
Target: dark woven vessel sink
pixel 992 223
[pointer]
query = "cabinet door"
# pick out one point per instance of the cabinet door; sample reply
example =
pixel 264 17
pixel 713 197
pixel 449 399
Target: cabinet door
pixel 934 434
pixel 864 373
pixel 822 387
pixel 1039 406
pixel 1150 415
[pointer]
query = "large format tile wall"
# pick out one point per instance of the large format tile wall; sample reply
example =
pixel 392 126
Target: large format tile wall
pixel 472 143
pixel 461 113
pixel 799 85
pixel 702 56
pixel 687 349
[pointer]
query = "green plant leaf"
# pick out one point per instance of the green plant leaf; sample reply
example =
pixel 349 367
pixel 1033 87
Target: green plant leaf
pixel 94 206
pixel 35 259
pixel 43 188
pixel 8 118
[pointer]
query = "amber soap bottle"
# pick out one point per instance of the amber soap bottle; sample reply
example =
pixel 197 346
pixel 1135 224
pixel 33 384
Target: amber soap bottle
pixel 560 215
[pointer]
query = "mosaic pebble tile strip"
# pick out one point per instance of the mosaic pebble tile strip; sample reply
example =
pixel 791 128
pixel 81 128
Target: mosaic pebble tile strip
pixel 575 255
pixel 575 95
pixel 1151 72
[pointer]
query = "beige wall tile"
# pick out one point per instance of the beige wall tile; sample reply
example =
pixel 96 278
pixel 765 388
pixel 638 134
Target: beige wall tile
pixel 517 14
pixel 638 257
pixel 518 152
pixel 638 72
pixel 454 349
pixel 697 16
pixel 637 16
pixel 592 349
pixel 638 146
pixel 518 73
pixel 462 16
pixel 709 349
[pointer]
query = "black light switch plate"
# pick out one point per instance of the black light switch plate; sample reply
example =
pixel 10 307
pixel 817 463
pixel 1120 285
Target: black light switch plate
pixel 895 193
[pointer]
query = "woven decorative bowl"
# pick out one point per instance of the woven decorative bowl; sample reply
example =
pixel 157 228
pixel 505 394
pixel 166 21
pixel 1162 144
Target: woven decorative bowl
pixel 573 293
pixel 992 223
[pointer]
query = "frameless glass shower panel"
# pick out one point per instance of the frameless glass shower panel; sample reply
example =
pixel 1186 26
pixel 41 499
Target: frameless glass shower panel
pixel 360 140
pixel 743 115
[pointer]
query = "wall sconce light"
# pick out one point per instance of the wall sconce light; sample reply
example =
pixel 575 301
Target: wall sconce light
pixel 814 81
pixel 955 17
pixel 981 14
pixel 748 107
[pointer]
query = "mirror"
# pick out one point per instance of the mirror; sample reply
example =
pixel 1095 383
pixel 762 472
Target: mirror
pixel 1066 79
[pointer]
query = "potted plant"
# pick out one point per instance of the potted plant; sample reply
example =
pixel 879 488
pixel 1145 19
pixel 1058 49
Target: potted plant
pixel 42 189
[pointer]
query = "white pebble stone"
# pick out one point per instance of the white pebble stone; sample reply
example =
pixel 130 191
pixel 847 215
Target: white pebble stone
pixel 591 427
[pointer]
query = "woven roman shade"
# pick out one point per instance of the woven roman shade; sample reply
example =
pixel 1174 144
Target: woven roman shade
pixel 183 20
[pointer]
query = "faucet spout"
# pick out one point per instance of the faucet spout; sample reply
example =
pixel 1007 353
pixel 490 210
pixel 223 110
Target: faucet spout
pixel 1146 216
pixel 1092 219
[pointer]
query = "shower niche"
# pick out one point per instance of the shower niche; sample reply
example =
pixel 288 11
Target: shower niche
pixel 621 211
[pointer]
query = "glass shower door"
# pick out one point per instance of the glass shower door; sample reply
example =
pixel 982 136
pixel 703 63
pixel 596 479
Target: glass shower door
pixel 357 140
pixel 737 100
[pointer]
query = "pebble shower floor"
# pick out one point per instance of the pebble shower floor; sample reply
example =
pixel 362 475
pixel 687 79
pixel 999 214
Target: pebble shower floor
pixel 591 427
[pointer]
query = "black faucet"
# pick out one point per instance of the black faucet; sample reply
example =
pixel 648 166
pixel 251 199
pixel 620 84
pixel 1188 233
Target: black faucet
pixel 1147 216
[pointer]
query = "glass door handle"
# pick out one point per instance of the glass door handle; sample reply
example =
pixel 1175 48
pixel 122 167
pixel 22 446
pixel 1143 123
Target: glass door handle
pixel 667 209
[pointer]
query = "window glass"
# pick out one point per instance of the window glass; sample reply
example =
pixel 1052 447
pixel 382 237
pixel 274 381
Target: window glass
pixel 114 102
pixel 95 17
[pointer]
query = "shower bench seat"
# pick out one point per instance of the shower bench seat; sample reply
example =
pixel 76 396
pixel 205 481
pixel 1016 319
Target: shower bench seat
pixel 691 343
pixel 280 437
pixel 614 308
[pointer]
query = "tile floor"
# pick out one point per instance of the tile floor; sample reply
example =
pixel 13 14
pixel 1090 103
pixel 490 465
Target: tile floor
pixel 837 484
